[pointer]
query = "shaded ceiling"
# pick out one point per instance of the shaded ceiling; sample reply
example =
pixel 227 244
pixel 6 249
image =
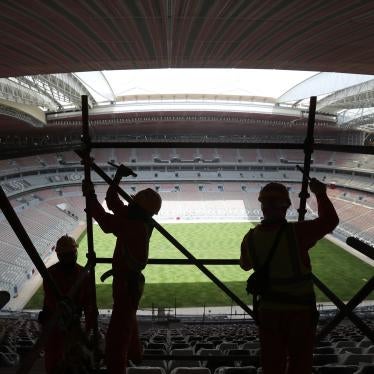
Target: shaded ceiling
pixel 39 37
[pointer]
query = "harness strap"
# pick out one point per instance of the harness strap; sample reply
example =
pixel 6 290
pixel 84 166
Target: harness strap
pixel 253 252
pixel 293 250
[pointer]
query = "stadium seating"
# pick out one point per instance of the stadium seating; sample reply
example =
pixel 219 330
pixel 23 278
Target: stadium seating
pixel 15 265
pixel 221 195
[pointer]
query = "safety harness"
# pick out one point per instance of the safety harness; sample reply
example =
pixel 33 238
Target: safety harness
pixel 295 288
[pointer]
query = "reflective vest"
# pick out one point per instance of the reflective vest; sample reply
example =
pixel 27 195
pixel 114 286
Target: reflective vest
pixel 291 285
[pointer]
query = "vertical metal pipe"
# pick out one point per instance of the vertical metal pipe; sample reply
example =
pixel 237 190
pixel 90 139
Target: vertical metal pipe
pixel 308 150
pixel 91 255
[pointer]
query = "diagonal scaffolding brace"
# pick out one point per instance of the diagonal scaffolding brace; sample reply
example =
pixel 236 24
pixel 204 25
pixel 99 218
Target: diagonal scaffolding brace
pixel 175 242
pixel 346 310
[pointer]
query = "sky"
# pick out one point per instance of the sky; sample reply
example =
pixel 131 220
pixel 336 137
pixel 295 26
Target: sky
pixel 247 82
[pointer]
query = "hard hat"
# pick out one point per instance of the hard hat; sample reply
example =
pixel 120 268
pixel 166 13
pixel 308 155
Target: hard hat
pixel 66 244
pixel 149 200
pixel 274 191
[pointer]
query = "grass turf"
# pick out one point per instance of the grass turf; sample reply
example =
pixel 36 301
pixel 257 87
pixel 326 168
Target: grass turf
pixel 167 285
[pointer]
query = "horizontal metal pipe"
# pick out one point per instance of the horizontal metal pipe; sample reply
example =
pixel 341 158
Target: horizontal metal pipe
pixel 178 261
pixel 242 145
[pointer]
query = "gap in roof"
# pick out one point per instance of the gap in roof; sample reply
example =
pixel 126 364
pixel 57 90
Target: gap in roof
pixel 109 85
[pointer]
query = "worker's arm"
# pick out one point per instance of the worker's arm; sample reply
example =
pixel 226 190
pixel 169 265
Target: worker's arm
pixel 106 221
pixel 309 232
pixel 113 201
pixel 245 262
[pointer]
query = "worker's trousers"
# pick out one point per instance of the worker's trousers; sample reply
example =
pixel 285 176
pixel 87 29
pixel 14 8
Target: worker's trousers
pixel 287 341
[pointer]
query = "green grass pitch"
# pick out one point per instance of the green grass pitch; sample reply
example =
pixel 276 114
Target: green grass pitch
pixel 185 285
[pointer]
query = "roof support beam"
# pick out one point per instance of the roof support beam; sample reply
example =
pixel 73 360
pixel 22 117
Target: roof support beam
pixel 357 96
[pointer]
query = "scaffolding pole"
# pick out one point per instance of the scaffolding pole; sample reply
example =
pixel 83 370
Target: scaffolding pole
pixel 304 195
pixel 91 255
pixel 308 150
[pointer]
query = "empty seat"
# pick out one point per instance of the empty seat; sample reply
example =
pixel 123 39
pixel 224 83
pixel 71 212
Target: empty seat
pixel 180 346
pixel 177 338
pixel 324 350
pixel 8 357
pixel 250 360
pixel 190 370
pixel 213 363
pixel 365 343
pixel 366 369
pixel 369 350
pixel 236 370
pixel 145 370
pixel 203 345
pixel 356 350
pixel 357 359
pixel 154 362
pixel 182 363
pixel 251 345
pixel 336 369
pixel 345 344
pixel 159 339
pixel 154 352
pixel 209 352
pixel 323 343
pixel 157 346
pixel 324 359
pixel 225 346
pixel 182 352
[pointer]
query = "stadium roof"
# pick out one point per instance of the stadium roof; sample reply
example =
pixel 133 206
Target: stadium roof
pixel 67 36
pixel 42 45
pixel 117 85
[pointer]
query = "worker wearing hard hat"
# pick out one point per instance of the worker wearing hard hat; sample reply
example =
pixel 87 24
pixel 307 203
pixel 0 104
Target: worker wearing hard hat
pixel 66 273
pixel 129 223
pixel 286 311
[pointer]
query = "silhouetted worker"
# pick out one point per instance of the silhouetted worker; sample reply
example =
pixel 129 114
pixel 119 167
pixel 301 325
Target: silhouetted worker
pixel 287 310
pixel 129 224
pixel 66 274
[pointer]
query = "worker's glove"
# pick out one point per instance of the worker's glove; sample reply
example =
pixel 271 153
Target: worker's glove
pixel 124 171
pixel 317 187
pixel 88 189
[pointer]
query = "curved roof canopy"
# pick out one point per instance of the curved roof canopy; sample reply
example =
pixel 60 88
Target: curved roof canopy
pixel 322 84
pixel 66 36
pixel 116 85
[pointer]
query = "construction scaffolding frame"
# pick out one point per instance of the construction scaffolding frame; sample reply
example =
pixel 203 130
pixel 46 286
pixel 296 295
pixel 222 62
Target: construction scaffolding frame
pixel 83 151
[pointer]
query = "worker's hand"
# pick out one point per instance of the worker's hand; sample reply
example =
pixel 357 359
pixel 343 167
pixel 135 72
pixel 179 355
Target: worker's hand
pixel 317 187
pixel 88 189
pixel 124 171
